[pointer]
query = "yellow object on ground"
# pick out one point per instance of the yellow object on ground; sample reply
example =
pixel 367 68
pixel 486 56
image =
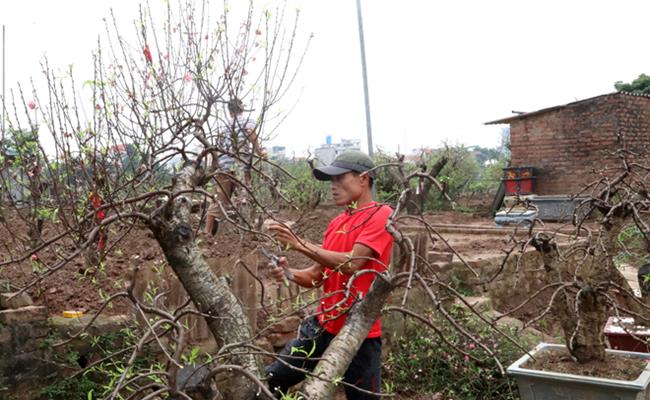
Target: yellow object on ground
pixel 72 314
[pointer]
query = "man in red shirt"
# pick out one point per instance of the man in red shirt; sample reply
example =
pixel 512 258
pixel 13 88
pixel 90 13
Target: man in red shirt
pixel 355 240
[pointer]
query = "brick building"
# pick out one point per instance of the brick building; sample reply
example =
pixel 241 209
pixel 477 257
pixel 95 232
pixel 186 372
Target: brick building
pixel 567 143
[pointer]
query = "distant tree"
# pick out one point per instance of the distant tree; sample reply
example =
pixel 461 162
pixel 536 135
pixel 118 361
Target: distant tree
pixel 640 85
pixel 485 154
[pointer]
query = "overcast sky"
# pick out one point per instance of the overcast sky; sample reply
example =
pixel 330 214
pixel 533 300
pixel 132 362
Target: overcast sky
pixel 437 69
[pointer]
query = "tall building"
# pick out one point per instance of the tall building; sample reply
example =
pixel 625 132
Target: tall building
pixel 278 153
pixel 327 152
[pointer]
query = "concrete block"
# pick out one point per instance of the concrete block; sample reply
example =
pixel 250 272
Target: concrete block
pixel 11 300
pixel 26 367
pixel 36 331
pixel 23 315
pixel 101 326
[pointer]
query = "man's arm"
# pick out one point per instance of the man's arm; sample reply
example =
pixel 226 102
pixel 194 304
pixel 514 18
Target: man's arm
pixel 347 263
pixel 309 277
pixel 252 137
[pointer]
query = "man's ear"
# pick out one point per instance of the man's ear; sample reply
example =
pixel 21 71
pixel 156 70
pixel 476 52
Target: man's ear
pixel 365 178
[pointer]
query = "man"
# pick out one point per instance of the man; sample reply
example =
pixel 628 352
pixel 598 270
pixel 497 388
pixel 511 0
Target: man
pixel 355 240
pixel 240 139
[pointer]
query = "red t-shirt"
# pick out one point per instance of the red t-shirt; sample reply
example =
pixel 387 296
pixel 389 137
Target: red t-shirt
pixel 366 226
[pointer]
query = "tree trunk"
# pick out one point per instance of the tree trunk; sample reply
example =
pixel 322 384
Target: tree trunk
pixel 582 326
pixel 587 341
pixel 416 200
pixel 210 294
pixel 583 316
pixel 338 356
pixel 562 307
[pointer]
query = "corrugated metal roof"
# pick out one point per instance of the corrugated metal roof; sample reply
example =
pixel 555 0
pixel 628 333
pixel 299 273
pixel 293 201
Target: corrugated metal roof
pixel 507 120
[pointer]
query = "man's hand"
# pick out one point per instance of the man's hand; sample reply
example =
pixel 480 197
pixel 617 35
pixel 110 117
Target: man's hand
pixel 277 271
pixel 285 236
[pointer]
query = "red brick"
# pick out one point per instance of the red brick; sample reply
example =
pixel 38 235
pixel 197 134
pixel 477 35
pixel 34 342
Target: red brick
pixel 570 143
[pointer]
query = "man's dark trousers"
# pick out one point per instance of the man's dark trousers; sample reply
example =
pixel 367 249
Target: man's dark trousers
pixel 364 370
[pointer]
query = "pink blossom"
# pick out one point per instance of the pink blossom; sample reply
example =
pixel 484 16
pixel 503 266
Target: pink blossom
pixel 187 77
pixel 98 107
pixel 31 105
pixel 471 346
pixel 34 257
pixel 466 358
pixel 147 54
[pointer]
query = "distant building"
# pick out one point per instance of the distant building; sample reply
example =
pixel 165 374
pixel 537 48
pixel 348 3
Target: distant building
pixel 416 154
pixel 570 144
pixel 278 153
pixel 327 152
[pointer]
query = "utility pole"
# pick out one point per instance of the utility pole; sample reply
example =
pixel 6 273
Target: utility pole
pixel 2 113
pixel 3 83
pixel 365 79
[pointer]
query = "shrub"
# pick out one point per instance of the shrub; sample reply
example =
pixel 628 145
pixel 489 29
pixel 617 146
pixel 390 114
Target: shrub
pixel 387 184
pixel 304 191
pixel 420 363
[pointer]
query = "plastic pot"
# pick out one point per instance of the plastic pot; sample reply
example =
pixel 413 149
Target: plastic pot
pixel 546 385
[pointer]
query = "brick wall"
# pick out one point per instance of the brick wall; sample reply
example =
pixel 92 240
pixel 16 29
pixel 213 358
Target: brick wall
pixel 569 144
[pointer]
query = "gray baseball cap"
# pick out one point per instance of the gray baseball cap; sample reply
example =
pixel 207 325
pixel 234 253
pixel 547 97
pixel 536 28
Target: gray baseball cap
pixel 348 161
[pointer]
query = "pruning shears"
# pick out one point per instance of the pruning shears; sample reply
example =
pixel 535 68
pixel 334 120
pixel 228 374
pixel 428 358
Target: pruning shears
pixel 275 260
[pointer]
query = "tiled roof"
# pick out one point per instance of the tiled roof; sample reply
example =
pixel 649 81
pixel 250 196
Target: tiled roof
pixel 507 120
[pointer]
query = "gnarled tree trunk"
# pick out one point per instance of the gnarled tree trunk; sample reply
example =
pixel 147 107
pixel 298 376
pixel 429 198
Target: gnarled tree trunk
pixel 583 314
pixel 210 294
pixel 416 200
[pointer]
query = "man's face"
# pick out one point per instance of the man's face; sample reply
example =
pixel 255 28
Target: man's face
pixel 347 188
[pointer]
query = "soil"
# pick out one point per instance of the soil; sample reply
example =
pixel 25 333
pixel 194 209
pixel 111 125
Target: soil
pixel 613 367
pixel 79 287
pixel 470 246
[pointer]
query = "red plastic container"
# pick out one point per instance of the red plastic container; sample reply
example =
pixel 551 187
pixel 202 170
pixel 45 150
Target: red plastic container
pixel 624 335
pixel 519 180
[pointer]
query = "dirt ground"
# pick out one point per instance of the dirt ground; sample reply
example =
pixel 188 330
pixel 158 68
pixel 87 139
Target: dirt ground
pixel 77 287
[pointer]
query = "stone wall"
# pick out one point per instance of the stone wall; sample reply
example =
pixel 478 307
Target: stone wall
pixel 27 359
pixel 23 358
pixel 567 144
